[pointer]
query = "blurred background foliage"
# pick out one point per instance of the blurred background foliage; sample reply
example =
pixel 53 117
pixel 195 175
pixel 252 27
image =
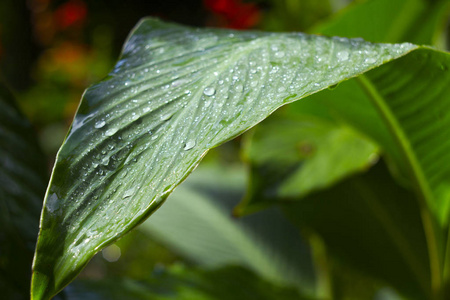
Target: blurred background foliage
pixel 51 50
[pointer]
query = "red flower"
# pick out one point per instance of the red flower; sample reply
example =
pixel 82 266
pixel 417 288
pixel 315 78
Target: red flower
pixel 73 12
pixel 234 13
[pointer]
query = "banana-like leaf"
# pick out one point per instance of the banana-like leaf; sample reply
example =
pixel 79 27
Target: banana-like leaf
pixel 175 93
pixel 181 283
pixel 292 155
pixel 22 187
pixel 197 223
pixel 370 223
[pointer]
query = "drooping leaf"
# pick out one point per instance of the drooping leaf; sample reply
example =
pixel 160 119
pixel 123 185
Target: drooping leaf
pixel 22 188
pixel 196 222
pixel 372 224
pixel 175 93
pixel 182 283
pixel 292 155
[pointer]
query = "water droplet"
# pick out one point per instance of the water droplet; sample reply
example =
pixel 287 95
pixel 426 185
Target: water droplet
pixel 342 55
pixel 279 54
pixel 209 91
pixel 189 145
pixel 370 60
pixel 166 117
pixel 128 193
pixel 100 124
pixel 127 83
pixel 239 88
pixel 178 82
pixel 111 131
pixel 134 116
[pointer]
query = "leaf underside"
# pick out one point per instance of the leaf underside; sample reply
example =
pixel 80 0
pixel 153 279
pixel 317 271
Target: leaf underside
pixel 175 93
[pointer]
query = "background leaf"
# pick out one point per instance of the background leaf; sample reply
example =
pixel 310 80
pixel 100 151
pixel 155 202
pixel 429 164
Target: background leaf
pixel 180 282
pixel 292 155
pixel 175 93
pixel 22 187
pixel 371 224
pixel 196 222
pixel 385 21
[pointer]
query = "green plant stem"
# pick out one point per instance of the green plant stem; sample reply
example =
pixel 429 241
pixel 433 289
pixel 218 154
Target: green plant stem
pixel 446 272
pixel 420 185
pixel 323 268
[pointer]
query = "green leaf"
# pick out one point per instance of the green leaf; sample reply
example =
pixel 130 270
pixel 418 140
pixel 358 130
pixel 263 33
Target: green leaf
pixel 403 106
pixel 393 21
pixel 292 155
pixel 196 223
pixel 22 188
pixel 182 283
pixel 370 223
pixel 175 93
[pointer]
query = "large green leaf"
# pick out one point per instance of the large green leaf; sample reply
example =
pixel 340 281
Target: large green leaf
pixel 292 155
pixel 22 187
pixel 372 224
pixel 181 283
pixel 175 93
pixel 196 223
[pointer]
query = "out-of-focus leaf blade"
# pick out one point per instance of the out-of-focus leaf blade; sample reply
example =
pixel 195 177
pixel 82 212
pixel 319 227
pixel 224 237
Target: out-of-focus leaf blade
pixel 372 224
pixel 181 283
pixel 22 188
pixel 293 155
pixel 393 21
pixel 197 223
pixel 175 93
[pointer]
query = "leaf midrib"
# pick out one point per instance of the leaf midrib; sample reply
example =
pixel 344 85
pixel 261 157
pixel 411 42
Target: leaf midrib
pixel 420 185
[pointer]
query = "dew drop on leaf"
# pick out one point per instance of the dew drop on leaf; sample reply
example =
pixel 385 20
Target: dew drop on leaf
pixel 279 54
pixel 209 91
pixel 343 55
pixel 111 131
pixel 189 145
pixel 128 193
pixel 99 124
pixel 370 60
pixel 166 117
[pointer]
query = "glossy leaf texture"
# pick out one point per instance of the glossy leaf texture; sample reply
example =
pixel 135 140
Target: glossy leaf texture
pixel 197 223
pixel 373 225
pixel 293 154
pixel 22 188
pixel 175 93
pixel 179 282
